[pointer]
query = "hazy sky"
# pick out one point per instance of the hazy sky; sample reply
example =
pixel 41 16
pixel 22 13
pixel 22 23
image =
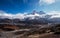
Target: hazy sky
pixel 21 6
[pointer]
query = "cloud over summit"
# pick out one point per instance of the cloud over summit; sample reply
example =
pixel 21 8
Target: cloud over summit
pixel 52 14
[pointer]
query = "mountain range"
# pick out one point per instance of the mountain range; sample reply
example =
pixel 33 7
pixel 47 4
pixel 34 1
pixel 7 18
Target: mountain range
pixel 34 17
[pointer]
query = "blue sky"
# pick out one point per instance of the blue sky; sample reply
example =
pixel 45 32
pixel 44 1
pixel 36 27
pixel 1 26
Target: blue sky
pixel 21 6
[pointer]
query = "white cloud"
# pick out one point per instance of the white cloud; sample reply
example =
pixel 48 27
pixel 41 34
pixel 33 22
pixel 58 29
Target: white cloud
pixel 5 15
pixel 11 16
pixel 18 15
pixel 54 14
pixel 42 2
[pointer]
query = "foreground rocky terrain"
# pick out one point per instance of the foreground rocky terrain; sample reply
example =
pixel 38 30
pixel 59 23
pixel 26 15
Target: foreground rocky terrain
pixel 13 31
pixel 19 34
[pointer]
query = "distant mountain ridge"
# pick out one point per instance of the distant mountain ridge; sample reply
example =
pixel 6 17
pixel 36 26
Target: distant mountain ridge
pixel 34 17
